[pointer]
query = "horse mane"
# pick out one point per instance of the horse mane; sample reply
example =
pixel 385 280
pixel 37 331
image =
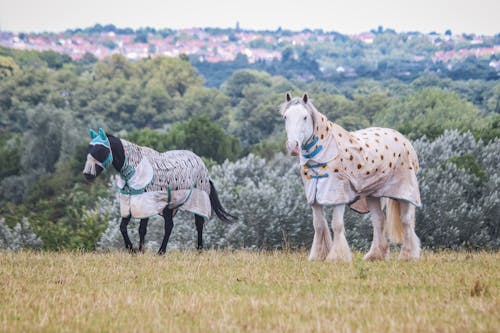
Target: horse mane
pixel 119 153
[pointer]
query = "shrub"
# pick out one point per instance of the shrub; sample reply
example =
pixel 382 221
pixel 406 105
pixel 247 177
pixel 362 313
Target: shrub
pixel 21 236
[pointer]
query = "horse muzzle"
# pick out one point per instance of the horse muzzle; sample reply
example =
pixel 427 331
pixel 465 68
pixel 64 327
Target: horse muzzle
pixel 293 148
pixel 89 177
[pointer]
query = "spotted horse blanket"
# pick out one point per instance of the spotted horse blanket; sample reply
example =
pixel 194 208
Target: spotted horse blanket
pixel 150 181
pixel 341 167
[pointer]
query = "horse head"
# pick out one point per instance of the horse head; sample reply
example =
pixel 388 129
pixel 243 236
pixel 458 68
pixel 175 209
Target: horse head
pixel 298 122
pixel 99 154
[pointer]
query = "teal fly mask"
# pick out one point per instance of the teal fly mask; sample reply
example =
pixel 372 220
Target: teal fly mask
pixel 98 153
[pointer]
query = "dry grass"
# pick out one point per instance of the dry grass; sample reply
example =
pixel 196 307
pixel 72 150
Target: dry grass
pixel 240 291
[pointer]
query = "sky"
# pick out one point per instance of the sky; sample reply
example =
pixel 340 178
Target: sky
pixel 344 16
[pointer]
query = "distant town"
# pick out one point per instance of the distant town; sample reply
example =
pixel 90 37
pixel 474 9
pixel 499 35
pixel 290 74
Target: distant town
pixel 224 45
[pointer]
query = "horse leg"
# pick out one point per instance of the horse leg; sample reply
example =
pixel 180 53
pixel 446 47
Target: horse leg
pixel 143 228
pixel 322 241
pixel 340 250
pixel 169 224
pixel 124 231
pixel 379 249
pixel 411 243
pixel 199 220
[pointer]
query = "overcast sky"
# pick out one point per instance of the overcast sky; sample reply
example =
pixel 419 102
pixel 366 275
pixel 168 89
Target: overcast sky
pixel 344 16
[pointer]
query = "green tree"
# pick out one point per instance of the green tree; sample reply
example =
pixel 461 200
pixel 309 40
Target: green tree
pixel 8 66
pixel 429 112
pixel 333 106
pixel 234 86
pixel 202 101
pixel 256 97
pixel 197 134
pixel 55 60
pixel 114 67
pixel 205 138
pixel 174 74
pixel 88 59
pixel 10 150
pixel 141 37
pixel 493 103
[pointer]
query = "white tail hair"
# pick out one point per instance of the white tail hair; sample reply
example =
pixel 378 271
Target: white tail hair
pixel 394 226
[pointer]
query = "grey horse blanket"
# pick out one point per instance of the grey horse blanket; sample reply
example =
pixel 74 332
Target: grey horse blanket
pixel 341 167
pixel 150 181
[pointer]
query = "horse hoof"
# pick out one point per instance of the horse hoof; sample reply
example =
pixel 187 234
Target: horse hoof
pixel 373 256
pixel 408 256
pixel 339 257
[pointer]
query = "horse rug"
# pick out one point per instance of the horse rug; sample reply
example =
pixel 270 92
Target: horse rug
pixel 341 167
pixel 150 181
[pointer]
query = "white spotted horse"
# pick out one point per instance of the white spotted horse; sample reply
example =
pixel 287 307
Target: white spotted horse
pixel 362 169
pixel 155 183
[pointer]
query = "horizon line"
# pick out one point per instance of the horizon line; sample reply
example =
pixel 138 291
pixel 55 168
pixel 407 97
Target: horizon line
pixel 384 29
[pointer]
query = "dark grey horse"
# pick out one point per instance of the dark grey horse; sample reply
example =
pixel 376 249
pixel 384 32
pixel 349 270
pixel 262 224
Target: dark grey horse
pixel 155 183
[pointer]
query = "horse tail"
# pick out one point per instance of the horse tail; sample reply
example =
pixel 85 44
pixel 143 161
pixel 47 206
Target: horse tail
pixel 394 226
pixel 217 206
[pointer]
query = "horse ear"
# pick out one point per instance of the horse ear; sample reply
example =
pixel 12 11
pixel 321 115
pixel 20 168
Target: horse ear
pixel 305 98
pixel 288 97
pixel 92 133
pixel 102 134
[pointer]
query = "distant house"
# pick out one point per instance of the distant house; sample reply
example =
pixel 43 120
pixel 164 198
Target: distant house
pixel 365 37
pixel 495 64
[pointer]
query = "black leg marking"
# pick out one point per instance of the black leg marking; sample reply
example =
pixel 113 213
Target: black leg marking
pixel 123 229
pixel 143 228
pixel 199 220
pixel 169 224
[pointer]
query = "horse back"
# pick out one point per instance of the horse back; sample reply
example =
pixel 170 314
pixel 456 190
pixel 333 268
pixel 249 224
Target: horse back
pixel 387 145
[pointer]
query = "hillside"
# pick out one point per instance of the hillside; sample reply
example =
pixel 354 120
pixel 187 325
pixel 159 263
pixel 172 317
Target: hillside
pixel 305 55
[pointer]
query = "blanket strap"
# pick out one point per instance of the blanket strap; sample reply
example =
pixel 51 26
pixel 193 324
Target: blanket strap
pixel 314 152
pixel 313 166
pixel 325 175
pixel 308 146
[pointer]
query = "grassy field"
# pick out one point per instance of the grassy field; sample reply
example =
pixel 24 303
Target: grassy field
pixel 223 291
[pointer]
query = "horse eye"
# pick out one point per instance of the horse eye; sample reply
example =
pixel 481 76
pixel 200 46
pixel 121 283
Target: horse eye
pixel 284 117
pixel 305 117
